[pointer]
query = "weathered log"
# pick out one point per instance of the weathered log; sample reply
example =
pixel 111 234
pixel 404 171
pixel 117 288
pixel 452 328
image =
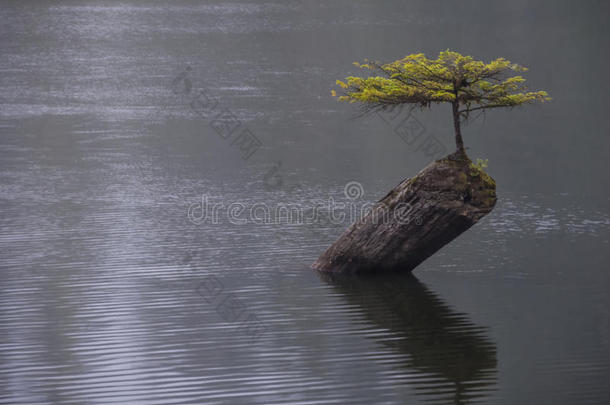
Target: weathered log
pixel 414 220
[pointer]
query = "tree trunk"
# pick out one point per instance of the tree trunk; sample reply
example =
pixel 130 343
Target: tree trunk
pixel 414 220
pixel 459 143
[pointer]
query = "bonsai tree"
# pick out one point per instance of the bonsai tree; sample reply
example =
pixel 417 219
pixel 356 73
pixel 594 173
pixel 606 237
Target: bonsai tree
pixel 467 84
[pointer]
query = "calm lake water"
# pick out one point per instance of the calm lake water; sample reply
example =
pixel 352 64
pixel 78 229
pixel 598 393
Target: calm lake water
pixel 118 118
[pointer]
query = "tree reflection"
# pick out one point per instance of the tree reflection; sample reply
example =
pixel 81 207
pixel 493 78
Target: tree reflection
pixel 455 361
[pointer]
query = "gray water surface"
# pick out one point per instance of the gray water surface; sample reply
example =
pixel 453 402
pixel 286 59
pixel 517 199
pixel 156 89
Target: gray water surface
pixel 112 294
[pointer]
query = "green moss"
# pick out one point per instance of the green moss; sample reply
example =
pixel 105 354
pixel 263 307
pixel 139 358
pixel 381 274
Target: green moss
pixel 487 180
pixel 476 171
pixel 490 197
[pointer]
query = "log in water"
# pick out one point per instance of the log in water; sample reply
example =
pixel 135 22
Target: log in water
pixel 414 220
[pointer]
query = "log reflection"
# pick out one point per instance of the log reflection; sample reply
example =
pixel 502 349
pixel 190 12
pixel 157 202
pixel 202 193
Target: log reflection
pixel 455 361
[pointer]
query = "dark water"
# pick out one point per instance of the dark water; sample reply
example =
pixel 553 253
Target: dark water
pixel 111 294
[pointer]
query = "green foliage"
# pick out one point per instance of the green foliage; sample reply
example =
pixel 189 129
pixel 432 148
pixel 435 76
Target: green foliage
pixel 481 164
pixel 478 169
pixel 450 78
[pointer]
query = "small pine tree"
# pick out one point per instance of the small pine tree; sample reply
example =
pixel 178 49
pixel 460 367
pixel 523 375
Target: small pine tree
pixel 469 85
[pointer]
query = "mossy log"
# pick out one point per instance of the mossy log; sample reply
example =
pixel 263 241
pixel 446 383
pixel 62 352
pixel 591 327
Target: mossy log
pixel 414 220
